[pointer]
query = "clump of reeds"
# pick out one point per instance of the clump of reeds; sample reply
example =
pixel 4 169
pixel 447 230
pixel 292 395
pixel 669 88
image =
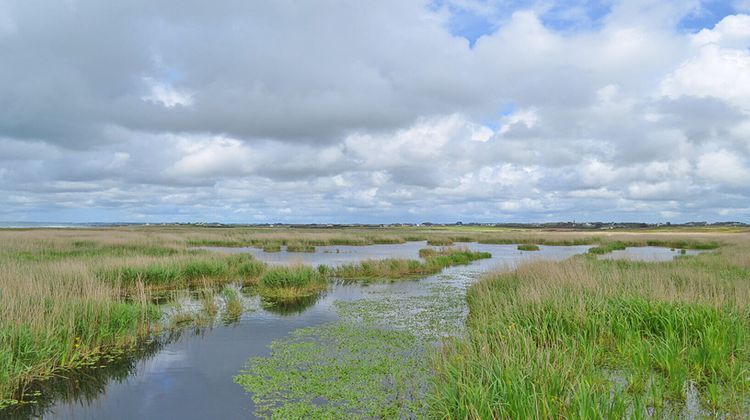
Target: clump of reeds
pixel 300 247
pixel 272 247
pixel 528 247
pixel 57 316
pixel 607 248
pixel 185 271
pixel 438 241
pixel 291 282
pixel 232 305
pixel 387 240
pixel 209 306
pixel 247 268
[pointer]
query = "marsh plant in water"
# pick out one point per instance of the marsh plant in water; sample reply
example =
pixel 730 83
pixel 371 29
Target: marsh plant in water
pixel 391 269
pixel 233 306
pixel 280 283
pixel 338 370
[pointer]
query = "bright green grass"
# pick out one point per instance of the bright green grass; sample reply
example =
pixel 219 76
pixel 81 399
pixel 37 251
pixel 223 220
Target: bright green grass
pixel 299 276
pixel 187 272
pixel 607 248
pixel 599 342
pixel 528 247
pixel 25 353
pixel 291 282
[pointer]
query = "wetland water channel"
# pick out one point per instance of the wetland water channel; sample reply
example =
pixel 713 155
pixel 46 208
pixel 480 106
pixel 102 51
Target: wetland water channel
pixel 189 374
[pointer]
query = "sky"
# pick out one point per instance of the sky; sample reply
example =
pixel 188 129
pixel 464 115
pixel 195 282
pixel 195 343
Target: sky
pixel 336 111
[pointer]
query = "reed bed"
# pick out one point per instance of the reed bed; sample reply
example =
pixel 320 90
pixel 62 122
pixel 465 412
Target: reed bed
pixel 186 270
pixel 603 339
pixel 393 268
pixel 440 241
pixel 56 316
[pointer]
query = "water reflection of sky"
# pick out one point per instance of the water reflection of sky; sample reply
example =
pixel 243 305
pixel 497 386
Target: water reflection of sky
pixel 342 254
pixel 647 253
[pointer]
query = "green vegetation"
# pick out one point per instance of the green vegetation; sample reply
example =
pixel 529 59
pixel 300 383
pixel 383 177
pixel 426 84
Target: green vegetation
pixel 300 248
pixel 85 249
pixel 185 272
pixel 445 257
pixel 607 248
pixel 387 269
pixel 291 282
pixel 386 240
pixel 210 308
pixel 65 336
pixel 248 268
pixel 440 241
pixel 611 339
pixel 358 372
pixel 528 247
pixel 556 240
pixel 372 364
pixel 698 238
pixel 272 247
pixel 223 243
pixel 392 269
pixel 233 307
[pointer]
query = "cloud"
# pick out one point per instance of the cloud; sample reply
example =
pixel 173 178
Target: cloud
pixel 340 112
pixel 724 167
pixel 167 95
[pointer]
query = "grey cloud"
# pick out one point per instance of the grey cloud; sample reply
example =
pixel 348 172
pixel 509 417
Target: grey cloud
pixel 334 111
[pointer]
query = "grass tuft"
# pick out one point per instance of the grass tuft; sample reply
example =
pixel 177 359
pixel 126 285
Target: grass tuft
pixel 291 282
pixel 528 247
pixel 300 248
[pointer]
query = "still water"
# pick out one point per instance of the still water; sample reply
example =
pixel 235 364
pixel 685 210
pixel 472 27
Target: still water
pixel 188 375
pixel 647 253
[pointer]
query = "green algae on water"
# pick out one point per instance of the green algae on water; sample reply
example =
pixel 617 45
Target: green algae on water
pixel 339 370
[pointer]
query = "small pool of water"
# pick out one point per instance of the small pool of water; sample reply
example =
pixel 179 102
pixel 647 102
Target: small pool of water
pixel 190 375
pixel 648 253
